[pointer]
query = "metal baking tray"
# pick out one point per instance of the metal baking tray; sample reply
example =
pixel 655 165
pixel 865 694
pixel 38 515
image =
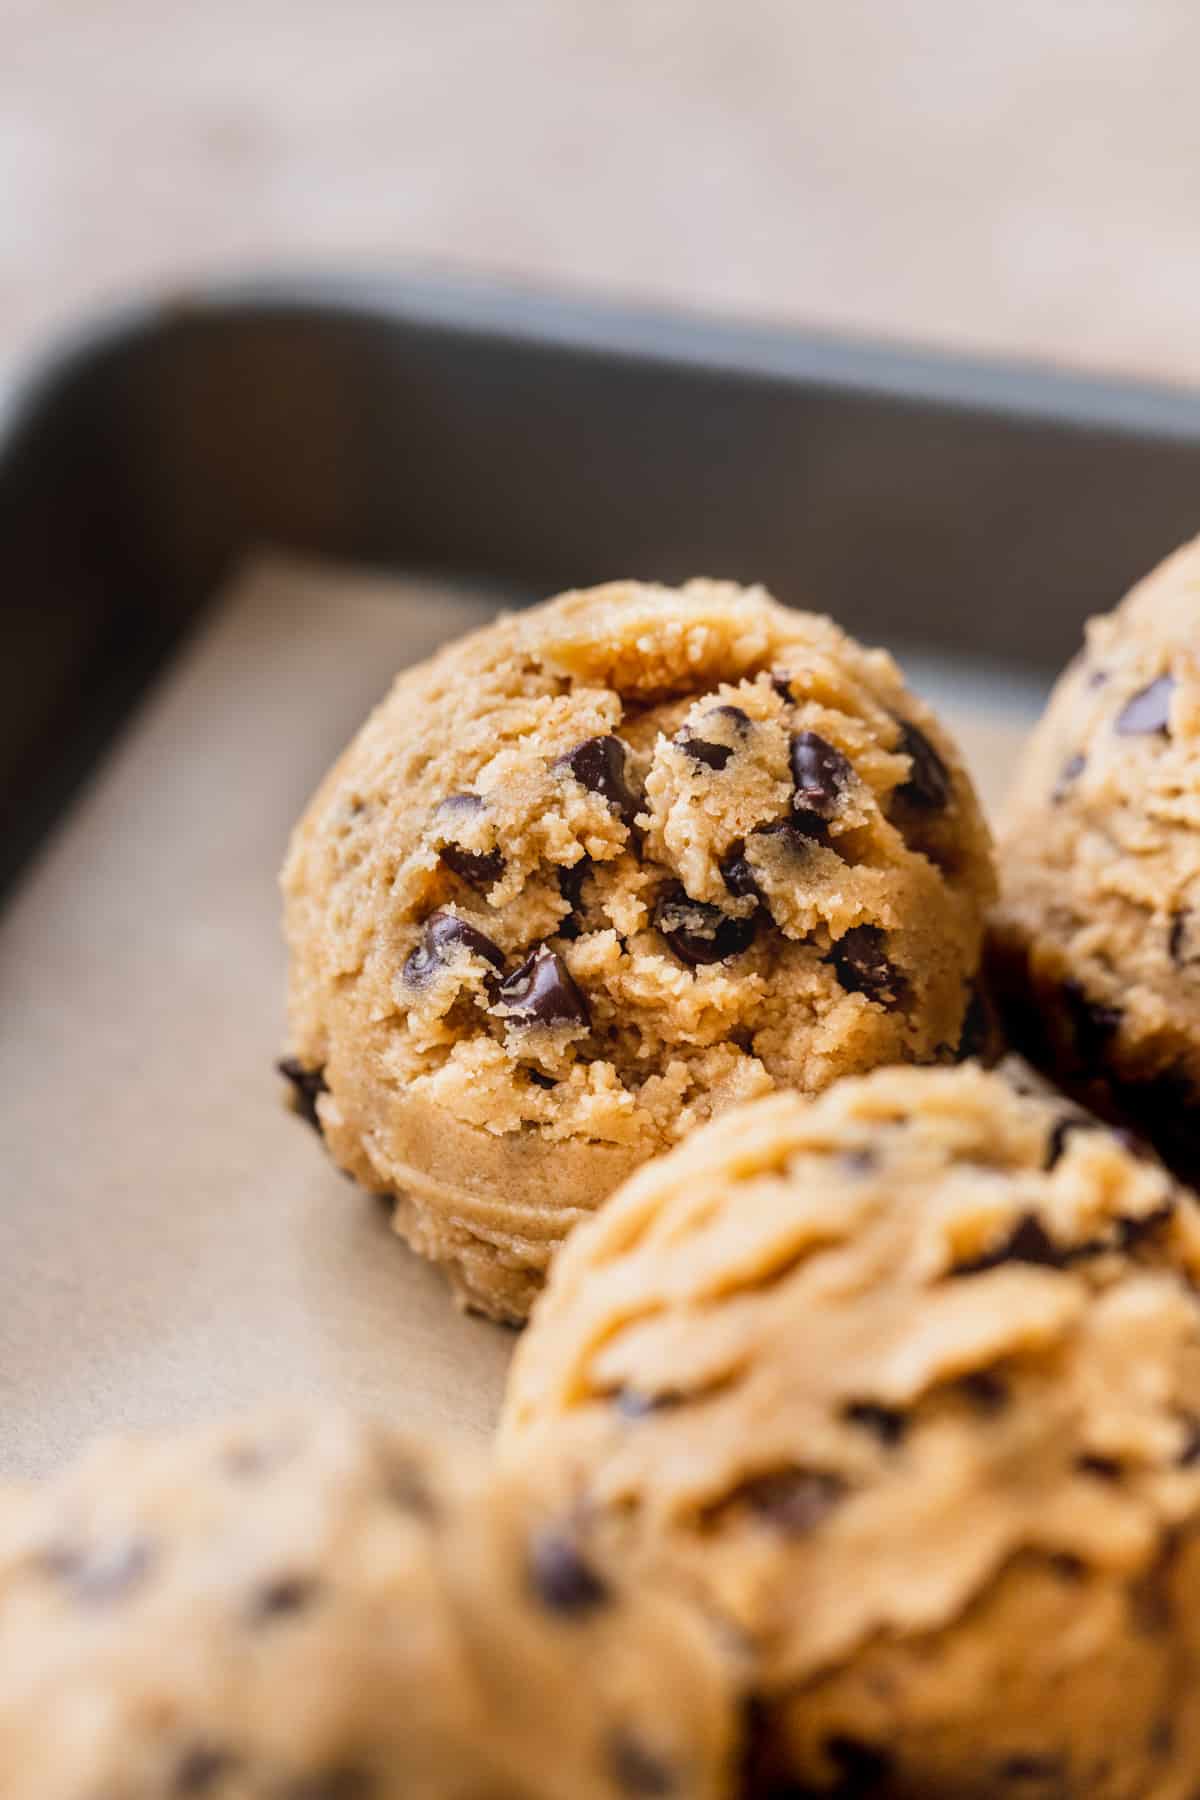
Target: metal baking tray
pixel 172 1242
pixel 545 442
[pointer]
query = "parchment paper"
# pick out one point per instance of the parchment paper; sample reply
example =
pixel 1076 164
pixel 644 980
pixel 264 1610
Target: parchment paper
pixel 172 1241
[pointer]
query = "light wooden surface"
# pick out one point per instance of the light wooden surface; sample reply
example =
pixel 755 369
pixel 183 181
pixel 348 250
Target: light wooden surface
pixel 172 1243
pixel 1018 177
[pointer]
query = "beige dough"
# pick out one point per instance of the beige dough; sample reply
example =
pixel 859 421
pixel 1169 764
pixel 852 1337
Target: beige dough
pixel 903 1385
pixel 1097 937
pixel 313 1608
pixel 600 870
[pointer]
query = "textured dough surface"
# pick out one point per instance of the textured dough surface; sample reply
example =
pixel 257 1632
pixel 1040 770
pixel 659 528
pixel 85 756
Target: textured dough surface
pixel 314 1608
pixel 1097 935
pixel 903 1383
pixel 600 870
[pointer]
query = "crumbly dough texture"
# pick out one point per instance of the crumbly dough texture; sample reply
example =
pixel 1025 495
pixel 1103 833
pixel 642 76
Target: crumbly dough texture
pixel 903 1384
pixel 313 1608
pixel 1096 944
pixel 600 870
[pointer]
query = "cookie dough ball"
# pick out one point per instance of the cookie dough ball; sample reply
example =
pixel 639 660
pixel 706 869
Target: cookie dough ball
pixel 1097 938
pixel 319 1609
pixel 903 1383
pixel 600 870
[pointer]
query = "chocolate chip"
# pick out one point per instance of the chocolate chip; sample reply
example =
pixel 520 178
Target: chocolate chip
pixel 1068 775
pixel 99 1574
pixel 1103 1468
pixel 782 685
pixel 1027 1242
pixel 478 868
pixel 887 1423
pixel 636 1770
pixel 283 1596
pixel 737 874
pixel 1033 1767
pixel 306 1085
pixel 1149 710
pixel 570 886
pixel 820 773
pixel 599 765
pixel 1092 1022
pixel 563 1580
pixel 711 756
pixel 977 1034
pixel 860 962
pixel 794 1501
pixel 542 992
pixel 444 932
pixel 987 1392
pixel 928 785
pixel 459 806
pixel 799 832
pixel 1060 1131
pixel 699 933
pixel 200 1768
pixel 862 1769
pixel 1177 935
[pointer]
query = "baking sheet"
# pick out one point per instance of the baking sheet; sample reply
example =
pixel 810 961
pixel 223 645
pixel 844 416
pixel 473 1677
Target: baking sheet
pixel 172 1241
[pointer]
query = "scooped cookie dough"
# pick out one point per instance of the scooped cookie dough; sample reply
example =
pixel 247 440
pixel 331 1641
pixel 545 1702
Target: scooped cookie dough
pixel 903 1384
pixel 317 1609
pixel 600 870
pixel 1097 938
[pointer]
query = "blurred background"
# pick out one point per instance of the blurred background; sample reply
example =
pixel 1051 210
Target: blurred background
pixel 1019 178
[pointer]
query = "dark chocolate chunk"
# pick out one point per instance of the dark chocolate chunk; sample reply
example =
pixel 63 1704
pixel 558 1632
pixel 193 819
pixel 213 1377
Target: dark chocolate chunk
pixel 820 773
pixel 988 1392
pixel 599 764
pixel 976 1036
pixel 1061 1130
pixel 562 1579
pixel 711 756
pixel 306 1085
pixel 201 1767
pixel 570 886
pixel 1092 1022
pixel 794 1501
pixel 800 831
pixel 737 874
pixel 1027 1242
pixel 1033 1767
pixel 887 1423
pixel 478 868
pixel 443 933
pixel 542 992
pixel 699 933
pixel 782 684
pixel 1068 775
pixel 1103 1468
pixel 1177 935
pixel 860 961
pixel 1149 711
pixel 459 806
pixel 100 1574
pixel 283 1596
pixel 637 1770
pixel 928 785
pixel 862 1769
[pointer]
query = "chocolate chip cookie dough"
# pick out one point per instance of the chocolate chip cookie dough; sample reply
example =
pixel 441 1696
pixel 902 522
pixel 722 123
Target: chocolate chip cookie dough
pixel 311 1608
pixel 1097 937
pixel 903 1384
pixel 600 870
